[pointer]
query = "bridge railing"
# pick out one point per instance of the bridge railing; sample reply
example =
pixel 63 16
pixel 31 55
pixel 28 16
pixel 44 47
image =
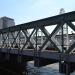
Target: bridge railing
pixel 27 36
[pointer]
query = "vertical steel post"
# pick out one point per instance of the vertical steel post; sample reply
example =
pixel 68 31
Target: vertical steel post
pixel 8 46
pixel 36 50
pixel 61 62
pixel 67 37
pixel 62 38
pixel 36 54
pixel 36 38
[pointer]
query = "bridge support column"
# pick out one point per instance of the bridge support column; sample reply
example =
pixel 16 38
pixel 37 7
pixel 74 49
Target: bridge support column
pixel 68 68
pixel 62 68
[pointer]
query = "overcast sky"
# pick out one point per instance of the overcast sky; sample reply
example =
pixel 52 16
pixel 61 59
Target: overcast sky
pixel 28 10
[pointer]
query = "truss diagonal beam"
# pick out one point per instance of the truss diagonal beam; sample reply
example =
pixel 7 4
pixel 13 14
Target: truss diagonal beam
pixel 28 39
pixel 70 48
pixel 25 33
pixel 73 45
pixel 49 36
pixel 12 35
pixel 71 25
pixel 4 39
pixel 15 38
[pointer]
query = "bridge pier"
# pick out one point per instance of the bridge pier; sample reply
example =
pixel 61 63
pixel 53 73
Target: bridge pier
pixel 13 64
pixel 62 67
pixel 66 67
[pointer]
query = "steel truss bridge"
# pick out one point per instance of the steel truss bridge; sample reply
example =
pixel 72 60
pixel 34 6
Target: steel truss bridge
pixel 19 44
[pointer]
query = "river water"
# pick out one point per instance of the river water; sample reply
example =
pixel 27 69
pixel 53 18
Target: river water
pixel 52 69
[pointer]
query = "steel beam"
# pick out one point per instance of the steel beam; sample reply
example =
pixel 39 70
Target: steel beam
pixel 4 37
pixel 71 25
pixel 71 48
pixel 48 38
pixel 27 36
pixel 15 38
pixel 73 45
pixel 44 54
pixel 28 40
pixel 43 22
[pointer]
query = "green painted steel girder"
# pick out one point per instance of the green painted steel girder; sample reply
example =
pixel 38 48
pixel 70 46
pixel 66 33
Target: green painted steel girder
pixel 63 18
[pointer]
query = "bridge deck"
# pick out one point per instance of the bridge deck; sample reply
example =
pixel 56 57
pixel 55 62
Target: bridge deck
pixel 44 54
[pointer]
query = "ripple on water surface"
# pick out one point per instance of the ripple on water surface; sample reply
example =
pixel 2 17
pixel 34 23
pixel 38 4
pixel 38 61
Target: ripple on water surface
pixel 52 69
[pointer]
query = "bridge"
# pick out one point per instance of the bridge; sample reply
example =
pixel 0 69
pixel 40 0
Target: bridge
pixel 19 44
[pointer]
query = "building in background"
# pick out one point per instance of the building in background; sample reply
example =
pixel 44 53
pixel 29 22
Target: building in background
pixel 6 22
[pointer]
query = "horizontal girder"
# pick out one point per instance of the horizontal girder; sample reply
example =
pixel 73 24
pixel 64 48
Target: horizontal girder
pixel 44 54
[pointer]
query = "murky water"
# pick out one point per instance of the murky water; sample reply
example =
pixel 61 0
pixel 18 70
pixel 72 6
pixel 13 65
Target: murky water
pixel 52 69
